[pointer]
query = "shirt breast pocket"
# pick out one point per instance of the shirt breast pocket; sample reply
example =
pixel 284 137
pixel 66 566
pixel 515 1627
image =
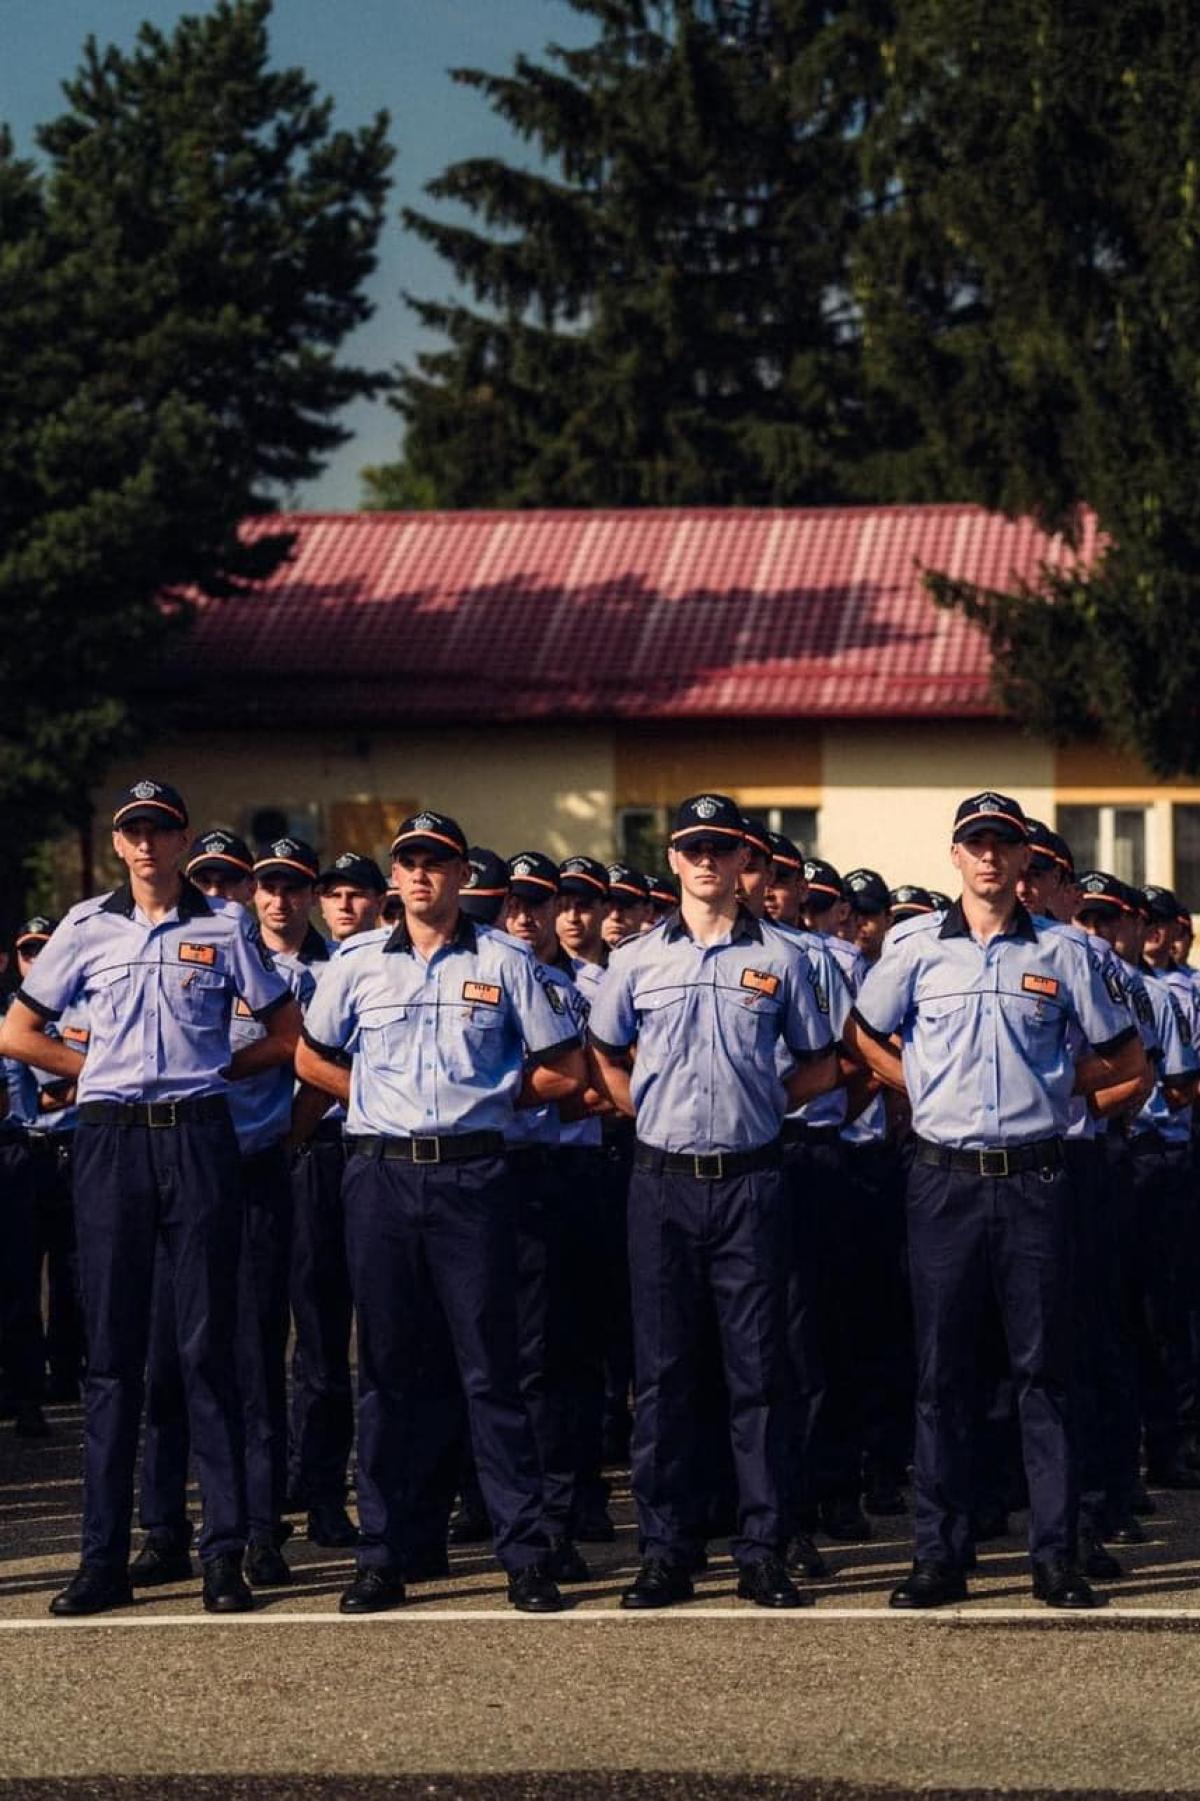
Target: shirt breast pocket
pixel 109 996
pixel 942 1019
pixel 660 1018
pixel 196 997
pixel 477 1043
pixel 387 1044
pixel 1038 1025
pixel 749 1022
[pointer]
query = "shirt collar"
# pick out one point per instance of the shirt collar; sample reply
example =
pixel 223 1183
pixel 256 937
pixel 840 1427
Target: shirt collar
pixel 191 905
pixel 465 937
pixel 746 928
pixel 1019 926
pixel 561 960
pixel 314 949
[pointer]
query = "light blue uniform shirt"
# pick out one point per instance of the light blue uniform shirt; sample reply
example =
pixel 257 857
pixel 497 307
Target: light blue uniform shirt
pixel 159 997
pixel 1082 1121
pixel 261 1106
pixel 72 1029
pixel 542 1125
pixel 1177 1059
pixel 707 1022
pixel 834 963
pixel 984 1026
pixel 438 1046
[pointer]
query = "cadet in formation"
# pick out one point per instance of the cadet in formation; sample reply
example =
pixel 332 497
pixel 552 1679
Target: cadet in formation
pixel 800 1192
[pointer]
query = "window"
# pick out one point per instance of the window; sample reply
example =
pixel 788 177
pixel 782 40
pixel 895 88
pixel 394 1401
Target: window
pixel 267 823
pixel 1185 821
pixel 797 823
pixel 1108 838
pixel 642 834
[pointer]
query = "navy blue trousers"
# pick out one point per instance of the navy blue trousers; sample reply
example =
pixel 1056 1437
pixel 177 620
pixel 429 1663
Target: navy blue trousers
pixel 261 1349
pixel 137 1187
pixel 419 1237
pixel 806 1374
pixel 322 1310
pixel 696 1245
pixel 613 1277
pixel 22 1350
pixel 1163 1202
pixel 54 1230
pixel 971 1239
pixel 1105 1398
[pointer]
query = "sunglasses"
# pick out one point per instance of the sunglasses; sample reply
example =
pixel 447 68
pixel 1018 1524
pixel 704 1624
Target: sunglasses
pixel 695 848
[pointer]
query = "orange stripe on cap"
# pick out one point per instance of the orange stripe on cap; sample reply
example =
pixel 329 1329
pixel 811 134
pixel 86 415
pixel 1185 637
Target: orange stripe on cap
pixel 32 938
pixel 581 875
pixel 440 836
pixel 707 831
pixel 474 893
pixel 824 888
pixel 627 888
pixel 290 862
pixel 539 881
pixel 218 856
pixel 787 862
pixel 761 844
pixel 139 806
pixel 912 907
pixel 1008 817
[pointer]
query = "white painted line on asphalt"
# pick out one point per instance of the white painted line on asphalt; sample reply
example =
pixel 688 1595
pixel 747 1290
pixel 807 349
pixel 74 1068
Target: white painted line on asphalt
pixel 438 1616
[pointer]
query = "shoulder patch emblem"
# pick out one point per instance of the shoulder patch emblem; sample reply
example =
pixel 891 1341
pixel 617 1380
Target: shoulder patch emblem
pixel 76 1036
pixel 242 1010
pixel 1114 984
pixel 1044 985
pixel 486 994
pixel 1142 1007
pixel 554 995
pixel 205 954
pixel 761 981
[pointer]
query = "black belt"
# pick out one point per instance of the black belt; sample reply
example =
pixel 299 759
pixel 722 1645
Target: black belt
pixel 431 1149
pixel 1048 1155
pixel 798 1131
pixel 154 1113
pixel 706 1166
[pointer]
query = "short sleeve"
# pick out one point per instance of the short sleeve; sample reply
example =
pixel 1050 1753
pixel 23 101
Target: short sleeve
pixel 331 1020
pixel 542 1011
pixel 808 1028
pixel 1104 1022
pixel 1178 1056
pixel 613 1021
pixel 884 1001
pixel 56 979
pixel 255 977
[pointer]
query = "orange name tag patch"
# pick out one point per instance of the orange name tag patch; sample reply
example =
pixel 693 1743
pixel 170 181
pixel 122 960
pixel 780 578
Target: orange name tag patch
pixel 483 993
pixel 1040 985
pixel 760 980
pixel 76 1037
pixel 198 953
pixel 242 1010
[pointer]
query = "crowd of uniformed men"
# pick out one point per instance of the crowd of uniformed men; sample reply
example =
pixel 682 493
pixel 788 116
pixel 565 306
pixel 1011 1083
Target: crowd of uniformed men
pixel 810 1199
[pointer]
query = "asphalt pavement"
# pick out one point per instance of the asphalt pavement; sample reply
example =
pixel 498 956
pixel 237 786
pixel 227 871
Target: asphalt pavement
pixel 455 1695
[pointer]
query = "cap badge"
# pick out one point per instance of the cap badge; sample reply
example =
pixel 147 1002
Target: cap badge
pixel 424 822
pixel 144 790
pixel 214 841
pixel 283 847
pixel 345 860
pixel 523 867
pixel 706 807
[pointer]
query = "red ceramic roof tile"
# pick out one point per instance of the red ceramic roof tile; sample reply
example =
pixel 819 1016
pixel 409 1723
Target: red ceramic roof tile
pixel 800 614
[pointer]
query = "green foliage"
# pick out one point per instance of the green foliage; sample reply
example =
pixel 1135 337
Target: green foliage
pixel 174 288
pixel 662 315
pixel 1031 296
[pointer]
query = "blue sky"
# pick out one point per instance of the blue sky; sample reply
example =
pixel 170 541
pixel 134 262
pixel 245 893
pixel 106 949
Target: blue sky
pixel 367 54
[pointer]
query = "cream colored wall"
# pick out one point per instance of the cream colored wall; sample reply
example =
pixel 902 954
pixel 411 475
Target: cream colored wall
pixel 509 787
pixel 890 791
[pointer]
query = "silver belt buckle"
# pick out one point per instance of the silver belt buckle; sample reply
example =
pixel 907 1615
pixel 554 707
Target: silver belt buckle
pixel 171 1119
pixel 993 1163
pixel 420 1144
pixel 709 1174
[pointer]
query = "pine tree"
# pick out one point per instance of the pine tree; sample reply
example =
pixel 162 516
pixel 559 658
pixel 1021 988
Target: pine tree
pixel 173 294
pixel 1032 296
pixel 661 309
